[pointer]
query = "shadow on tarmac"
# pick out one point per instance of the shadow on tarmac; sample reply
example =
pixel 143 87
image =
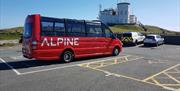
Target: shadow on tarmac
pixel 22 64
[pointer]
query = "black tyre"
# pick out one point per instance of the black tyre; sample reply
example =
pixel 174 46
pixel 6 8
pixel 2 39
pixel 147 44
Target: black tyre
pixel 156 44
pixel 136 43
pixel 67 56
pixel 116 51
pixel 145 44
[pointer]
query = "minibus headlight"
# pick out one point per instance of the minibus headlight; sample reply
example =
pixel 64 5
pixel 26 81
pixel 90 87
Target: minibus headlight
pixel 34 43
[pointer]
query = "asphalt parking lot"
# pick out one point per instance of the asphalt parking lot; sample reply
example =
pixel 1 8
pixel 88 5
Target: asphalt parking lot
pixel 137 68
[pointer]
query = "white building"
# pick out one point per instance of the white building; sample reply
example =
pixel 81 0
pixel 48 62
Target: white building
pixel 133 19
pixel 121 15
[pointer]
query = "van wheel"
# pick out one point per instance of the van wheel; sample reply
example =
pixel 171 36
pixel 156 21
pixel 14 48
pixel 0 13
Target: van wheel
pixel 136 42
pixel 116 51
pixel 67 56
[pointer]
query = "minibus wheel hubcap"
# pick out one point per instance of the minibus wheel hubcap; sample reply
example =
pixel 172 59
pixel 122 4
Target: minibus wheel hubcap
pixel 67 57
pixel 116 51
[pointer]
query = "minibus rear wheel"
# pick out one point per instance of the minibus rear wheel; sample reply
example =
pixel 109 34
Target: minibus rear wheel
pixel 67 56
pixel 116 51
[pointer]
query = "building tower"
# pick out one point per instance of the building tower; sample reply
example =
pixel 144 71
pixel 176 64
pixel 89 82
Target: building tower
pixel 123 12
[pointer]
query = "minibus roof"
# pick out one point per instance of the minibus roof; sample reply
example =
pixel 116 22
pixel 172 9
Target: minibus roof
pixel 87 21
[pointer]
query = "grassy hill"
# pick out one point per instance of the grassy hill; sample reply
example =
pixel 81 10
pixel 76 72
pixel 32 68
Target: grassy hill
pixel 12 30
pixel 15 33
pixel 11 33
pixel 136 28
pixel 126 28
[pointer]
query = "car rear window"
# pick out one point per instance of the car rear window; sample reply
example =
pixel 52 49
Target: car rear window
pixel 150 37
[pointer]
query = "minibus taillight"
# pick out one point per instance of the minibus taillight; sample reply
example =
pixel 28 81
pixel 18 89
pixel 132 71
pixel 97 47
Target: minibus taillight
pixel 34 44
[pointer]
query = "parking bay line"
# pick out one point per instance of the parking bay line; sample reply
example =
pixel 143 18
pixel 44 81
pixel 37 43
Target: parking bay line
pixel 131 78
pixel 43 70
pixel 122 62
pixel 127 77
pixel 17 72
pixel 103 60
pixel 161 72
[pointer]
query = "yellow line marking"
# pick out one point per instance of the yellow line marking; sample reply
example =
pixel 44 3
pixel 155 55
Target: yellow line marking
pixel 172 78
pixel 115 61
pixel 155 81
pixel 178 89
pixel 161 72
pixel 126 58
pixel 103 60
pixel 123 76
pixel 173 72
pixel 120 62
pixel 172 89
pixel 170 84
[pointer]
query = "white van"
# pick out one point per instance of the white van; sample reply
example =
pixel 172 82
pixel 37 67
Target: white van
pixel 132 38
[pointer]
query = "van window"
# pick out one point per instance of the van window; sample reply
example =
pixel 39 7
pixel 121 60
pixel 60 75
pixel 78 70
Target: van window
pixel 140 34
pixel 47 29
pixel 75 28
pixel 27 30
pixel 59 29
pixel 107 31
pixel 94 30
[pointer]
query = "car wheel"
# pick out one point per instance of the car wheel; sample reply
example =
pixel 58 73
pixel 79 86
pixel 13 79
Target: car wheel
pixel 116 51
pixel 157 44
pixel 136 42
pixel 145 44
pixel 67 56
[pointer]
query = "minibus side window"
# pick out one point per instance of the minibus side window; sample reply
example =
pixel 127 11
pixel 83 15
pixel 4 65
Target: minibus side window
pixel 27 30
pixel 107 31
pixel 59 29
pixel 94 30
pixel 47 29
pixel 76 29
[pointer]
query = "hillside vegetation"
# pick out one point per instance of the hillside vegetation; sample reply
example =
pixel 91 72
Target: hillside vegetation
pixel 136 28
pixel 16 33
pixel 11 33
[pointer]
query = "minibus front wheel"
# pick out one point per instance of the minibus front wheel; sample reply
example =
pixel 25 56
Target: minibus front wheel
pixel 116 51
pixel 67 56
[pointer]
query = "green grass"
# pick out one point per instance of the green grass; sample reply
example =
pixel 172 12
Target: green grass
pixel 11 33
pixel 153 29
pixel 136 28
pixel 10 36
pixel 12 30
pixel 126 28
pixel 7 44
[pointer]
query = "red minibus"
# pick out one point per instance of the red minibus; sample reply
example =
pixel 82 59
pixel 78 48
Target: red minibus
pixel 46 38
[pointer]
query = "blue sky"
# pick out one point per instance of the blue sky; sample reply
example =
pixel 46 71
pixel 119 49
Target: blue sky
pixel 163 13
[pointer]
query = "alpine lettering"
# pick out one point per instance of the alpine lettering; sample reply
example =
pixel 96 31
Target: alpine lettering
pixel 58 41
